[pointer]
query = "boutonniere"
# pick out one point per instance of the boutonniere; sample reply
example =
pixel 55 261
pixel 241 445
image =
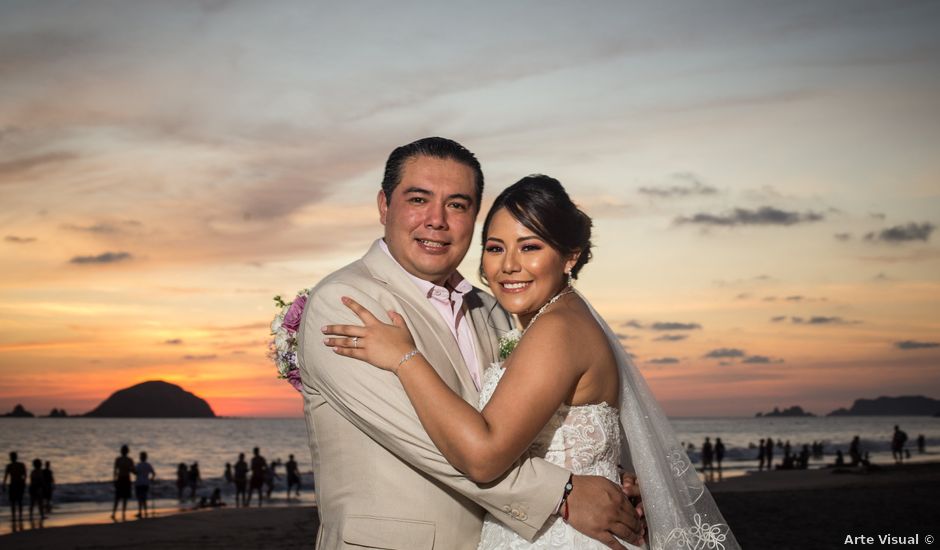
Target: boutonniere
pixel 508 343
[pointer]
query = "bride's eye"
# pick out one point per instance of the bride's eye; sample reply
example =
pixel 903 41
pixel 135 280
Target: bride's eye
pixel 493 249
pixel 531 247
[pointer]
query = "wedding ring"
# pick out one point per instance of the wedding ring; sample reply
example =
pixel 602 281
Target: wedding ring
pixel 355 341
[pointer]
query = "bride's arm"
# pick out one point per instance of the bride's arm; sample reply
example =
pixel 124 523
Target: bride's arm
pixel 541 374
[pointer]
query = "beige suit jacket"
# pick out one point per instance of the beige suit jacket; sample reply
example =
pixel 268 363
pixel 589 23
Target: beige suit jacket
pixel 381 482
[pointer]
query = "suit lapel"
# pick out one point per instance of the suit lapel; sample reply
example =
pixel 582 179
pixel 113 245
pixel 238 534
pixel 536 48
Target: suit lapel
pixel 430 328
pixel 484 328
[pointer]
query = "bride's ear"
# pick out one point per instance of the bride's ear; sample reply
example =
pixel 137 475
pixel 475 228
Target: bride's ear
pixel 572 260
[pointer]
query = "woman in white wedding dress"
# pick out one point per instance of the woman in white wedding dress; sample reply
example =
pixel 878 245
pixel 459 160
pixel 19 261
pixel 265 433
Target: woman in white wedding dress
pixel 567 392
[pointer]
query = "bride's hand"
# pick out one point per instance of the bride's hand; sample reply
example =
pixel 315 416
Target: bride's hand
pixel 376 343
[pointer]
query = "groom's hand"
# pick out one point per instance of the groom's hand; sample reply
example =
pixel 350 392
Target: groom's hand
pixel 600 509
pixel 631 487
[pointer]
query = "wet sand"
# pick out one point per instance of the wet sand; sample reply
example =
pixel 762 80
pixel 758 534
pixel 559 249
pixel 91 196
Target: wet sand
pixel 766 510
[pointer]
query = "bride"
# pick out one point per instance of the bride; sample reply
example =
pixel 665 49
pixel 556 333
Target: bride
pixel 566 391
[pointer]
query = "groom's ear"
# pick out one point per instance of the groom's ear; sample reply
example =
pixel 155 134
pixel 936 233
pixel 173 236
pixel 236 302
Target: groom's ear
pixel 383 205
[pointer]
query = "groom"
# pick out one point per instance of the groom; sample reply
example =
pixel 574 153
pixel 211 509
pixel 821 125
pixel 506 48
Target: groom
pixel 381 481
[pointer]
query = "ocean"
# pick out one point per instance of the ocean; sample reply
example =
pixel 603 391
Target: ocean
pixel 82 450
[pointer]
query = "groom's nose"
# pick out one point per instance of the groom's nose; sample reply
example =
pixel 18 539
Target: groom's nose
pixel 436 217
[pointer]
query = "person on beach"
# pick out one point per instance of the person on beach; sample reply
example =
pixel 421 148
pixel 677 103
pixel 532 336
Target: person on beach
pixel 855 452
pixel 35 491
pixel 227 474
pixel 259 468
pixel 270 474
pixel 707 457
pixel 144 476
pixel 898 439
pixel 568 404
pixel 761 453
pixel 921 444
pixel 241 480
pixel 182 480
pixel 123 466
pixel 14 484
pixel 48 486
pixel 195 479
pixel 381 480
pixel 719 454
pixel 293 476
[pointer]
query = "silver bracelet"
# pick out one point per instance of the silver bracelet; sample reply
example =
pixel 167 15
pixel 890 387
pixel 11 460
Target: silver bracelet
pixel 404 358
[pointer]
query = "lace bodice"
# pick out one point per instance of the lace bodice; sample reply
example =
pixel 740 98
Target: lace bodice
pixel 584 439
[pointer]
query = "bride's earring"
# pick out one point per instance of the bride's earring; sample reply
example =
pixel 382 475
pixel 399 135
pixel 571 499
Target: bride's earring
pixel 570 279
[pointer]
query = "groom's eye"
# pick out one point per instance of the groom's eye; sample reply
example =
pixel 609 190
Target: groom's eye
pixel 458 205
pixel 417 200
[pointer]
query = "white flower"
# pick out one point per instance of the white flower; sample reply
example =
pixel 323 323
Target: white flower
pixel 276 323
pixel 508 343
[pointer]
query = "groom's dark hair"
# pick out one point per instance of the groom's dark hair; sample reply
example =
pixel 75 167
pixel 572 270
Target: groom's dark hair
pixel 436 147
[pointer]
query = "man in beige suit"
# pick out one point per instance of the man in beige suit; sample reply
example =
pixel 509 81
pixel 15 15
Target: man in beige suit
pixel 381 482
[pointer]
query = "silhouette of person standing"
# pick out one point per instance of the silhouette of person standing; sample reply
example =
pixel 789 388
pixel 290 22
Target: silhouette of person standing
pixel 48 484
pixel 707 456
pixel 123 466
pixel 854 451
pixel 719 454
pixel 145 476
pixel 258 469
pixel 897 444
pixel 16 473
pixel 769 451
pixel 921 444
pixel 35 490
pixel 194 479
pixel 293 476
pixel 270 475
pixel 760 455
pixel 182 479
pixel 241 480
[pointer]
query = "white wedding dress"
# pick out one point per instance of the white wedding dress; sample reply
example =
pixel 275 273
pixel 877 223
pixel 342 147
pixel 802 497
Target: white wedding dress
pixel 594 439
pixel 584 439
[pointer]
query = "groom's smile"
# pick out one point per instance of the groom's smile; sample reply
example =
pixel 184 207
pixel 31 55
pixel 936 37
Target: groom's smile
pixel 429 218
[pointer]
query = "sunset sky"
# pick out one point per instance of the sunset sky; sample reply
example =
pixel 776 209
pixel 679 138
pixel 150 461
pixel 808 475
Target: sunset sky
pixel 764 179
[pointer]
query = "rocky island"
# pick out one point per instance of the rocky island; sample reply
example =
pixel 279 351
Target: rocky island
pixel 795 410
pixel 153 399
pixel 906 405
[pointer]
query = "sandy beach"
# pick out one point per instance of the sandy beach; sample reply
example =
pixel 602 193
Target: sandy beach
pixel 767 510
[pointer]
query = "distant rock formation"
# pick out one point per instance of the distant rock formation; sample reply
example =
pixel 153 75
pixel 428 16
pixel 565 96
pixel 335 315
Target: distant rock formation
pixel 19 412
pixel 58 413
pixel 795 410
pixel 154 399
pixel 907 405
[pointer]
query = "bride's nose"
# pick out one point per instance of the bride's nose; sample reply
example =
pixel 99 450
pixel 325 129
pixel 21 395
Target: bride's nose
pixel 510 262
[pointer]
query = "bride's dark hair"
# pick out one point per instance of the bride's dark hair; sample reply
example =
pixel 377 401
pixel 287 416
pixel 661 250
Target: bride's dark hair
pixel 542 205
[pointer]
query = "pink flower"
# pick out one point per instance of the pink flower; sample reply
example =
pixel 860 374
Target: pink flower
pixel 294 313
pixel 293 376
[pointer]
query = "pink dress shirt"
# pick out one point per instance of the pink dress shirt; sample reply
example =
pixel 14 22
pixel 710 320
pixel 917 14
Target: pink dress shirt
pixel 449 304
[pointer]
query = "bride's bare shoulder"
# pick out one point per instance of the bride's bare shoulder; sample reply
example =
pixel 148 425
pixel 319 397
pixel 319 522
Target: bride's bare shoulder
pixel 567 329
